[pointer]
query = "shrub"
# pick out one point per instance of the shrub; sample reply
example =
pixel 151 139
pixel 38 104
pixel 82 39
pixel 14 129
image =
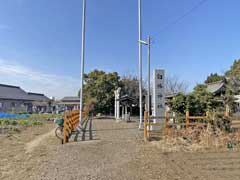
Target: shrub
pixel 14 122
pixel 6 122
pixel 36 123
pixel 24 122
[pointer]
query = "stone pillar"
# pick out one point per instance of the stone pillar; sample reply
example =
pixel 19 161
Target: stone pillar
pixel 158 94
pixel 117 103
pixel 123 112
pixel 126 114
pixel 227 111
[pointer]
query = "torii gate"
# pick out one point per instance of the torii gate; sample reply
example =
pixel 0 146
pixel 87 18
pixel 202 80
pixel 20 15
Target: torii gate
pixel 140 42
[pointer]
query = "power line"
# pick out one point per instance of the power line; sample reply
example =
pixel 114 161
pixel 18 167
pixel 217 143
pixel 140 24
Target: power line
pixel 181 17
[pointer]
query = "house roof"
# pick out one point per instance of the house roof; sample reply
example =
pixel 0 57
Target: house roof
pixel 12 92
pixel 68 103
pixel 70 99
pixel 38 97
pixel 215 86
pixel 127 100
pixel 16 93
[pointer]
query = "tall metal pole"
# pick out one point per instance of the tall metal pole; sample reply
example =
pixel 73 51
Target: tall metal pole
pixel 140 59
pixel 149 76
pixel 82 61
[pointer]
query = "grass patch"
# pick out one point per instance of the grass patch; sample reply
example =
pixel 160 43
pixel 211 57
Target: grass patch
pixel 44 117
pixel 22 122
pixel 33 120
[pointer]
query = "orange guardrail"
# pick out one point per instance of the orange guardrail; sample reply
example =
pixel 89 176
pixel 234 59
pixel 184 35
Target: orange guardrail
pixel 71 122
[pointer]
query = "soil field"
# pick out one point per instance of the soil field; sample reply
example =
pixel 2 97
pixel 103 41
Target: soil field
pixel 117 152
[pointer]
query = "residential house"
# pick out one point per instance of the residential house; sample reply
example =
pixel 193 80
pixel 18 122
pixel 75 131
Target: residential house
pixel 15 99
pixel 40 103
pixel 69 103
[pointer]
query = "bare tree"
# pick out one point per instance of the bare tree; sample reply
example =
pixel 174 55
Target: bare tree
pixel 130 85
pixel 175 85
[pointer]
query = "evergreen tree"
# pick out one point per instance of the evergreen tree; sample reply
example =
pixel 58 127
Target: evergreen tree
pixel 214 77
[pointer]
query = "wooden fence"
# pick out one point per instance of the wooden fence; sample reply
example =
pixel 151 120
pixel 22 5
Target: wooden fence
pixel 189 121
pixel 71 122
pixel 235 121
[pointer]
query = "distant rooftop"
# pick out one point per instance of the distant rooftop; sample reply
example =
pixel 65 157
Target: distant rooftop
pixel 10 86
pixel 215 86
pixel 16 93
pixel 70 98
pixel 38 97
pixel 12 92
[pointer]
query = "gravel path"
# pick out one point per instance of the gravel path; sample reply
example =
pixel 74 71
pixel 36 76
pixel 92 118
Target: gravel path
pixel 118 152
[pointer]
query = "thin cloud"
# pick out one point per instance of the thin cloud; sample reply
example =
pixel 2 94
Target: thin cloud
pixel 36 81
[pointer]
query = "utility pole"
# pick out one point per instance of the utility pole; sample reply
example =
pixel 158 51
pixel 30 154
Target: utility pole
pixel 149 76
pixel 82 61
pixel 140 60
pixel 148 43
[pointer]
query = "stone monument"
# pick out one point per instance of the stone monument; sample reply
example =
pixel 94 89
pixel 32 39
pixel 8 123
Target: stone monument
pixel 158 94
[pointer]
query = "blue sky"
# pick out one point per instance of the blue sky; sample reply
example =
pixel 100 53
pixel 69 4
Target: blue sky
pixel 40 41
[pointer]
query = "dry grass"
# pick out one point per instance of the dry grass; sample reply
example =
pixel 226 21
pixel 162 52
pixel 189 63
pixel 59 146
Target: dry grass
pixel 199 139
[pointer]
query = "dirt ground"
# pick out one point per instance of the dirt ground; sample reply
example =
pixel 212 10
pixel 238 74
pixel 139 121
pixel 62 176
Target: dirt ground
pixel 117 152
